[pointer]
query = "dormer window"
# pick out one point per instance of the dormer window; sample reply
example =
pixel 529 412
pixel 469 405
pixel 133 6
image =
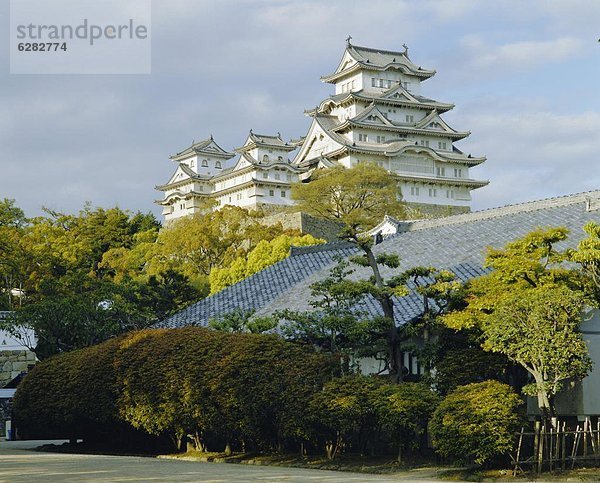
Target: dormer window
pixel 218 165
pixel 205 163
pixel 266 158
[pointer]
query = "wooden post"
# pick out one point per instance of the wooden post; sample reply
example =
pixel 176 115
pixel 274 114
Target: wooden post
pixel 518 452
pixel 536 440
pixel 575 445
pixel 564 445
pixel 585 436
pixel 540 462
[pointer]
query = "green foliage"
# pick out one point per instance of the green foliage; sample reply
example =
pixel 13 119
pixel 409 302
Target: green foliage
pixel 359 197
pixel 587 255
pixel 71 395
pixel 459 360
pixel 529 309
pixel 264 254
pixel 343 409
pixel 243 389
pixel 404 410
pixel 355 409
pixel 243 321
pixel 476 423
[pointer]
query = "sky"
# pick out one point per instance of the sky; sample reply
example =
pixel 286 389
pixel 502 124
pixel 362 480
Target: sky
pixel 524 76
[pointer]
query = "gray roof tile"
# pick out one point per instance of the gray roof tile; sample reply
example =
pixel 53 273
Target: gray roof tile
pixel 457 243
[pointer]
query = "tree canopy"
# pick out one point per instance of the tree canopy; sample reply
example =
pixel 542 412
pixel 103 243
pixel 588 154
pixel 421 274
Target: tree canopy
pixel 529 308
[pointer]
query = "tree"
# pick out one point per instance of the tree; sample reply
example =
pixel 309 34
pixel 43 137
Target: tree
pixel 344 408
pixel 14 261
pixel 335 325
pixel 240 321
pixel 404 410
pixel 359 198
pixel 587 255
pixel 476 423
pixel 529 309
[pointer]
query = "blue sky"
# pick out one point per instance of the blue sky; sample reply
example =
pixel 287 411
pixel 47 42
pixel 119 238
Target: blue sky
pixel 524 76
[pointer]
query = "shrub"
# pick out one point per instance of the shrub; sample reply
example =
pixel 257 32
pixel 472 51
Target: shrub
pixel 404 410
pixel 476 422
pixel 69 395
pixel 344 409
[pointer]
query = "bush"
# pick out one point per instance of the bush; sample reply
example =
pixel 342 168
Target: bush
pixel 362 411
pixel 476 422
pixel 244 389
pixel 404 410
pixel 248 390
pixel 344 411
pixel 69 395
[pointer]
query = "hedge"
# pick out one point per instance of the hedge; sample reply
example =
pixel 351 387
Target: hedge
pixel 476 423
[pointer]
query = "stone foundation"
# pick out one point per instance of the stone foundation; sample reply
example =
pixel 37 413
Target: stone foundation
pixel 306 224
pixel 439 211
pixel 12 363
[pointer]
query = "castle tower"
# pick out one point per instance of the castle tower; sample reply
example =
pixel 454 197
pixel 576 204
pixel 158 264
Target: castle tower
pixel 378 114
pixel 260 176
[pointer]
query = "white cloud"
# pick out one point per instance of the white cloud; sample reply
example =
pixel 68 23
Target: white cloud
pixel 520 55
pixel 535 154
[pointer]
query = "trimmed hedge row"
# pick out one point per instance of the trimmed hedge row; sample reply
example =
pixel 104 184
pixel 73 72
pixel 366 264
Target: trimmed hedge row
pixel 244 390
pixel 250 392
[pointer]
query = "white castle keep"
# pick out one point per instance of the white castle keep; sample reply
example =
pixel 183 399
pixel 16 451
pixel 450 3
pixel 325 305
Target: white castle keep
pixel 377 115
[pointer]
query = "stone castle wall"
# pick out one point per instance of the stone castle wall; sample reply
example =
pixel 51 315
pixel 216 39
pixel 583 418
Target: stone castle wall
pixel 306 224
pixel 12 363
pixel 439 211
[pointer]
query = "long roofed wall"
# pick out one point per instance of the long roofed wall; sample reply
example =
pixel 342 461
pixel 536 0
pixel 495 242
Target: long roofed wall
pixel 456 243
pixel 378 114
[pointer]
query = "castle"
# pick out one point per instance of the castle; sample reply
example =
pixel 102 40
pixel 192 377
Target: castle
pixel 377 115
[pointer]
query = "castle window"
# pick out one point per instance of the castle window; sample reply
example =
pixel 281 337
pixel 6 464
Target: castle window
pixel 363 137
pixel 265 175
pixel 441 171
pixel 441 145
pixel 450 194
pixel 279 158
pixel 271 193
pixel 266 158
pixel 414 190
pixel 380 139
pixel 432 192
pixel 288 177
pixel 373 82
pixel 218 165
pixel 410 118
pixel 424 143
pixel 192 163
pixel 283 194
pixel 277 176
pixel 458 172
pixel 205 163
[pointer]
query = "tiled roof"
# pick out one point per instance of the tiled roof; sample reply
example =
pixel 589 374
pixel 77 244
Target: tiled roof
pixel 258 290
pixel 457 243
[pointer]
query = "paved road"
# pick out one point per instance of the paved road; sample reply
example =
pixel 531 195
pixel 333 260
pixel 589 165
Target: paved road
pixel 19 463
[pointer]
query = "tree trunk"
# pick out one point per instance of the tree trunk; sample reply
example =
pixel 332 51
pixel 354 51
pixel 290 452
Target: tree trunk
pixel 199 441
pixel 387 306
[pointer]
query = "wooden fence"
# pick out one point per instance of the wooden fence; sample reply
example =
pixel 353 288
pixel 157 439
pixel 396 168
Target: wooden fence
pixel 556 447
